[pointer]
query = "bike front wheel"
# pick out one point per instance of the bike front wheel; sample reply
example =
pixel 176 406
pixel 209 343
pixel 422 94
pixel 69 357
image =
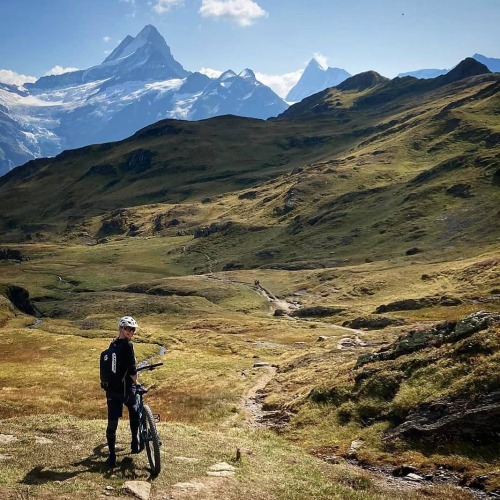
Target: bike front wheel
pixel 152 442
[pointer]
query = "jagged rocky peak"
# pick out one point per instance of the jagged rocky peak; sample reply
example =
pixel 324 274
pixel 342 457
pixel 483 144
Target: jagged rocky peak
pixel 316 77
pixel 314 64
pixel 363 81
pixel 227 74
pixel 247 73
pixel 148 37
pixel 145 57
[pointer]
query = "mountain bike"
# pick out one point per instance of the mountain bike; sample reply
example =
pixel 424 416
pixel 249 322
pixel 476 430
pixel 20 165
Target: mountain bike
pixel 148 435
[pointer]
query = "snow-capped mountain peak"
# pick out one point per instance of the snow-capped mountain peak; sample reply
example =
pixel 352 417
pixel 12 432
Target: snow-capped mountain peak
pixel 227 75
pixel 247 73
pixel 315 79
pixel 149 36
pixel 139 83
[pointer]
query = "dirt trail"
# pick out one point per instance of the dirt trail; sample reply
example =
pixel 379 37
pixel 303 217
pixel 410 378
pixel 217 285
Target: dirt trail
pixel 288 307
pixel 251 404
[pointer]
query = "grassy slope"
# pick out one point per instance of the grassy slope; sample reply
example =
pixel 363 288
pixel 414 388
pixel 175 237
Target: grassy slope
pixel 370 194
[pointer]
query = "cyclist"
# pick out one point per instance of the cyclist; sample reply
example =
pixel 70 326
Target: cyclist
pixel 124 394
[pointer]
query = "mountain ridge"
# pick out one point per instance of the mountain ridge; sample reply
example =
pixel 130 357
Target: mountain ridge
pixel 392 148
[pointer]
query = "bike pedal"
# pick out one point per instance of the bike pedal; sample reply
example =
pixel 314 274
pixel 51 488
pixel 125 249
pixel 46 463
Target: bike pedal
pixel 156 417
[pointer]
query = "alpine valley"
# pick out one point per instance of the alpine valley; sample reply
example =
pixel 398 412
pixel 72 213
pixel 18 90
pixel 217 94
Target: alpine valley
pixel 322 287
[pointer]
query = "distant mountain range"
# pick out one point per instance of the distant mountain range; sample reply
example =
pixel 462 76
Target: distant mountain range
pixel 491 63
pixel 139 83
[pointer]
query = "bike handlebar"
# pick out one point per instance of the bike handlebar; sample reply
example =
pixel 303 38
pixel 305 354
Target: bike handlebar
pixel 149 367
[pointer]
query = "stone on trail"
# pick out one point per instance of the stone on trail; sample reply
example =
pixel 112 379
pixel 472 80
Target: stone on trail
pixel 7 439
pixel 139 489
pixel 413 477
pixel 43 440
pixel 222 466
pixel 189 486
pixel 221 469
pixel 355 446
pixel 221 473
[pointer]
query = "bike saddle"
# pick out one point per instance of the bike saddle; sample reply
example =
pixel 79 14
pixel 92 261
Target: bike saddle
pixel 140 389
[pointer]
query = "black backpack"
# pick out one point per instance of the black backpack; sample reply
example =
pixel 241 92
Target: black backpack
pixel 110 369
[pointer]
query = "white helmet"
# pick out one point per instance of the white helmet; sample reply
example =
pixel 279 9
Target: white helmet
pixel 128 321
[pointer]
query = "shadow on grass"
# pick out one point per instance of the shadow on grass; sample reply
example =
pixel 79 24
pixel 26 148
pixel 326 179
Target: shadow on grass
pixel 95 463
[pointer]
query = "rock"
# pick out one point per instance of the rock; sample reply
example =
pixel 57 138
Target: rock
pixel 20 299
pixel 408 304
pixel 139 489
pixel 373 322
pixel 460 190
pixel 222 473
pixel 138 161
pixel 42 440
pixel 475 420
pixel 449 301
pixel 189 486
pixel 346 343
pixel 413 251
pixel 413 477
pixel 249 195
pixel 403 470
pixel 7 439
pixel 10 254
pixel 355 446
pixel 221 466
pixel 322 338
pixel 261 364
pixel 445 332
pixel 317 311
pixel 7 456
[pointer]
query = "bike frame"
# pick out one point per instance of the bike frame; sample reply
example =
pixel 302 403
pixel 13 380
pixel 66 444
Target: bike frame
pixel 148 435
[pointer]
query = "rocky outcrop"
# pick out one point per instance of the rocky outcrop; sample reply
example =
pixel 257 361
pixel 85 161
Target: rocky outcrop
pixel 138 161
pixel 413 304
pixel 317 311
pixel 373 322
pixel 215 227
pixel 445 332
pixel 20 299
pixel 10 254
pixel 476 420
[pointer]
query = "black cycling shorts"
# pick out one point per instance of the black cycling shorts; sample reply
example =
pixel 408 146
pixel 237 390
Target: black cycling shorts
pixel 115 407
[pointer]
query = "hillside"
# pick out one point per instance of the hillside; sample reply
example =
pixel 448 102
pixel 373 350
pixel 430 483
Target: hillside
pixel 323 289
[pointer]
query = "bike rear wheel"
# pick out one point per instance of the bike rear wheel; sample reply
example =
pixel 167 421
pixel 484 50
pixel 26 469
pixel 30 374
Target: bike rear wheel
pixel 152 442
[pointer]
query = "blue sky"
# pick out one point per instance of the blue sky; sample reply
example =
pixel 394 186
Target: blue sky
pixel 275 38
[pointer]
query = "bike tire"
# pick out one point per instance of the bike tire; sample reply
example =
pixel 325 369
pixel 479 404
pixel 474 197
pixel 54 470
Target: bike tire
pixel 153 442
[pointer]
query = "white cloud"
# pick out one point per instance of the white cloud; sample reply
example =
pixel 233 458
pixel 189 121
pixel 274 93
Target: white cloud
pixel 163 6
pixel 12 78
pixel 323 60
pixel 59 70
pixel 281 84
pixel 106 39
pixel 242 12
pixel 211 73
